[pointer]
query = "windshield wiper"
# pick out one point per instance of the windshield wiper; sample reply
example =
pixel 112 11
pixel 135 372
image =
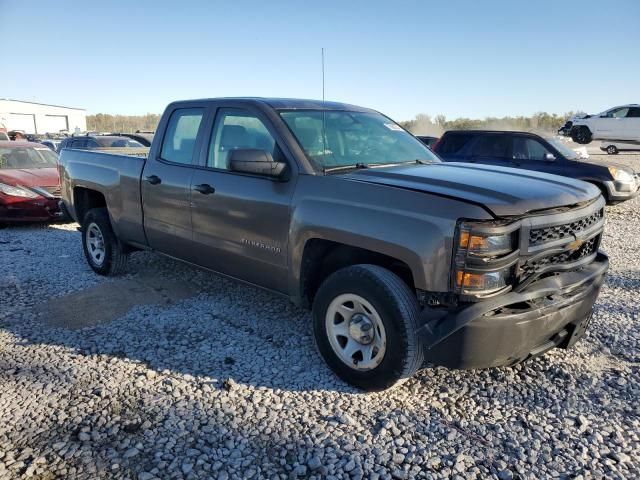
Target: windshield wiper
pixel 357 166
pixel 354 166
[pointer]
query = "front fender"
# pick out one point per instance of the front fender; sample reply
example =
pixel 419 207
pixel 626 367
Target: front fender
pixel 412 227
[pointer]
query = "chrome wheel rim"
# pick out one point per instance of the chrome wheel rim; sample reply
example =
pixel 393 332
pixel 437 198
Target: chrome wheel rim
pixel 356 332
pixel 95 244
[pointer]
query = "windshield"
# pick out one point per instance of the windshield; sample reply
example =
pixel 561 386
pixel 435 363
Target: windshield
pixel 353 138
pixel 27 157
pixel 563 149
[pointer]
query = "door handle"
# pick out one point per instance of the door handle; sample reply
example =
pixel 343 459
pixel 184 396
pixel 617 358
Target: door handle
pixel 153 179
pixel 204 188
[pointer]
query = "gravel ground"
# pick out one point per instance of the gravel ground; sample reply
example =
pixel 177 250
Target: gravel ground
pixel 214 379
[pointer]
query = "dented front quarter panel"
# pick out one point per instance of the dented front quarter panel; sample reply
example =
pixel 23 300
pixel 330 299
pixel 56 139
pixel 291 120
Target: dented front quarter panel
pixel 416 228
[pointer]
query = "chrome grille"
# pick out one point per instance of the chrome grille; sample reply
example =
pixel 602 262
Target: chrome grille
pixel 539 236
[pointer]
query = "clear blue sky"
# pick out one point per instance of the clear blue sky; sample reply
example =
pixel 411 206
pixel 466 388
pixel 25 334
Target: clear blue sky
pixel 458 58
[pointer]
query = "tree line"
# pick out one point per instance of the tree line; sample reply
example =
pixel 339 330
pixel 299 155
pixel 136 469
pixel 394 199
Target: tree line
pixel 104 122
pixel 544 122
pixel 422 124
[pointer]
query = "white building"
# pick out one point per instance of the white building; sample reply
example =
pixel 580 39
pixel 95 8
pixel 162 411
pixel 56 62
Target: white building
pixel 32 117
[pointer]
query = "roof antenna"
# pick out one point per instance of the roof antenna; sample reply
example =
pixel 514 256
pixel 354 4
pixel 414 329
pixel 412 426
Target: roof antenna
pixel 322 53
pixel 324 129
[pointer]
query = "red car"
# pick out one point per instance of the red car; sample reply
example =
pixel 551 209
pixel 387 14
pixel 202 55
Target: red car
pixel 29 183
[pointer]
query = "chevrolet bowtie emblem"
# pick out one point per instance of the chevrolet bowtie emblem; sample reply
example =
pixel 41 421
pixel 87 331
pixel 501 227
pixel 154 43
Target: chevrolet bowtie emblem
pixel 577 243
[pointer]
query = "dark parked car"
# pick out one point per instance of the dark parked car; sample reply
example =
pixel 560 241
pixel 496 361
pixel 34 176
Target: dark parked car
pixel 144 139
pixel 533 152
pixel 52 144
pixel 427 140
pixel 99 142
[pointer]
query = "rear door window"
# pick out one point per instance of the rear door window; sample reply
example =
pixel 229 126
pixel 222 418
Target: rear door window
pixel 180 139
pixel 454 143
pixel 493 146
pixel 618 112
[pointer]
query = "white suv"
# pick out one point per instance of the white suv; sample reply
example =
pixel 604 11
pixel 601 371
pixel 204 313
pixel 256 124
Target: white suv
pixel 618 123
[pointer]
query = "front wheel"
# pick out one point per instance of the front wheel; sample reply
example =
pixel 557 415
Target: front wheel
pixel 366 327
pixel 581 135
pixel 103 251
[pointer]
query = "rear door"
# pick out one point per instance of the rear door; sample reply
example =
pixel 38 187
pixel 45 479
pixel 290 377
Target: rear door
pixel 241 221
pixel 166 184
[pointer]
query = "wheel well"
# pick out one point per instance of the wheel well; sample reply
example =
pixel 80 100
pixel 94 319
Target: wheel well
pixel 323 257
pixel 85 200
pixel 603 189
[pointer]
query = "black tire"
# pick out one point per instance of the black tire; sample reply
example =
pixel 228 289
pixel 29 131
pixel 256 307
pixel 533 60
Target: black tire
pixel 114 259
pixel 398 309
pixel 581 135
pixel 612 150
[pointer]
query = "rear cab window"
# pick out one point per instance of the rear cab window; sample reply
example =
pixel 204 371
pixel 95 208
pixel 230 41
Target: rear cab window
pixel 180 139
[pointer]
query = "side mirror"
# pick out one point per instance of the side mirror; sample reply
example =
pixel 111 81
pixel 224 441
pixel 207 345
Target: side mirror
pixel 549 157
pixel 256 162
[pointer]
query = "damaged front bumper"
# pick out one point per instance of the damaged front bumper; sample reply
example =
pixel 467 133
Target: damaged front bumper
pixel 510 328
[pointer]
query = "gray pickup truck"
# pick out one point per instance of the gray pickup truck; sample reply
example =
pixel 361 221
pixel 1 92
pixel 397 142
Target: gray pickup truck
pixel 404 260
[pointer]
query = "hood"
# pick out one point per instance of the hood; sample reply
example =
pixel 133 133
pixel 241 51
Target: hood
pixel 580 116
pixel 607 163
pixel 501 190
pixel 30 177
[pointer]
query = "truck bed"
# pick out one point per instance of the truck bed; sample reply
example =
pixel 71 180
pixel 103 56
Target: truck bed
pixel 116 177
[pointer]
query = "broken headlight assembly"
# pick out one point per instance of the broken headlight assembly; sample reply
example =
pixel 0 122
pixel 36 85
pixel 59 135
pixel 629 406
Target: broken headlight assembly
pixel 484 256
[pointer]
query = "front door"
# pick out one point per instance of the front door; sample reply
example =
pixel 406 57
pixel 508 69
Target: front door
pixel 531 154
pixel 240 221
pixel 166 185
pixel 611 125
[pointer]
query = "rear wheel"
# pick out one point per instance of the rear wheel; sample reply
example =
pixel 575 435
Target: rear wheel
pixel 612 150
pixel 366 327
pixel 102 249
pixel 581 135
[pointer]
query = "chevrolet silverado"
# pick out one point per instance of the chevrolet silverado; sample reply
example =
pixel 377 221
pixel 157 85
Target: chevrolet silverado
pixel 403 259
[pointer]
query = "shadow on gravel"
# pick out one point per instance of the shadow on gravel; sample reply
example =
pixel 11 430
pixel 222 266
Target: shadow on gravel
pixel 167 315
pixel 629 280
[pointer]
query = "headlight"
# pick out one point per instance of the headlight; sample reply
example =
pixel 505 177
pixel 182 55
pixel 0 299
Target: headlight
pixel 469 282
pixel 16 191
pixel 484 244
pixel 484 256
pixel 621 175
